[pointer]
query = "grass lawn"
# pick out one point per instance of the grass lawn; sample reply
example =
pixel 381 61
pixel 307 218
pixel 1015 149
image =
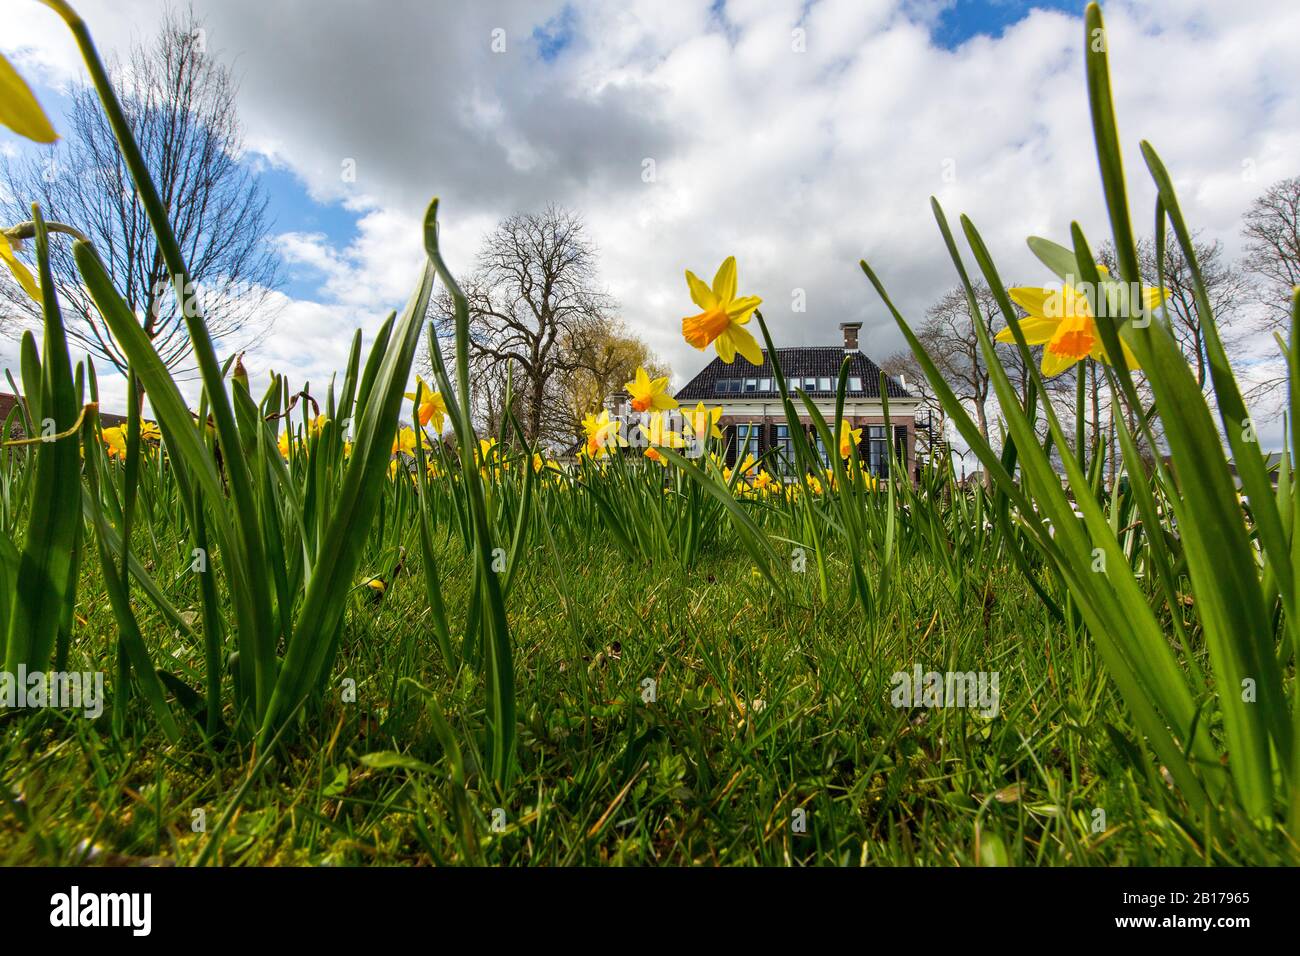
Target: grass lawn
pixel 758 710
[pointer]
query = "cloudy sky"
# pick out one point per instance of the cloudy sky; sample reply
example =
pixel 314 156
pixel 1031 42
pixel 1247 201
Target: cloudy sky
pixel 798 136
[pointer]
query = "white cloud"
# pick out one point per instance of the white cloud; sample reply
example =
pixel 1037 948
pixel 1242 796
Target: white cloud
pixel 797 162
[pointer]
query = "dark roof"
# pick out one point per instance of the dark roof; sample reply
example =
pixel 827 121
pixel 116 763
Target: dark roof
pixel 818 361
pixel 9 400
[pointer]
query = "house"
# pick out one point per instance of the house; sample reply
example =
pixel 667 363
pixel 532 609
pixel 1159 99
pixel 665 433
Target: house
pixel 753 418
pixel 9 401
pixel 1272 464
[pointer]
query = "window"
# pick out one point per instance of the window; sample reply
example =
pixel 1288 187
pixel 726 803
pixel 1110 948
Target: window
pixel 747 440
pixel 751 384
pixel 824 384
pixel 877 451
pixel 819 446
pixel 784 446
pixel 855 383
pixel 765 385
pixel 810 384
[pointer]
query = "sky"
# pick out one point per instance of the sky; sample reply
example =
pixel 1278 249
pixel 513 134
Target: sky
pixel 797 136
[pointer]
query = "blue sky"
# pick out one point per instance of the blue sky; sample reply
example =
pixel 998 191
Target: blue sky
pixel 964 19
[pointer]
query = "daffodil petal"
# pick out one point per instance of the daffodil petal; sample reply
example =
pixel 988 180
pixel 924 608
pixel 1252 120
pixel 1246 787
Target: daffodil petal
pixel 19 109
pixel 1032 299
pixel 1036 331
pixel 746 345
pixel 1130 359
pixel 726 348
pixel 1054 363
pixel 20 271
pixel 724 283
pixel 701 294
pixel 740 310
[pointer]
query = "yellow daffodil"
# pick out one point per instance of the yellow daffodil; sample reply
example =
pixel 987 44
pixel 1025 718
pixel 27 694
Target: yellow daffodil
pixel 1061 321
pixel 19 109
pixel 649 394
pixel 405 441
pixel 284 444
pixel 115 438
pixel 722 323
pixel 19 270
pixel 115 441
pixel 601 434
pixel 538 463
pixel 703 422
pixel 849 436
pixel 658 435
pixel 430 406
pixel 317 424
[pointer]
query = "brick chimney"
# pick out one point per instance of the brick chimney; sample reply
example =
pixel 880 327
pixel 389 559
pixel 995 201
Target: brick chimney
pixel 850 330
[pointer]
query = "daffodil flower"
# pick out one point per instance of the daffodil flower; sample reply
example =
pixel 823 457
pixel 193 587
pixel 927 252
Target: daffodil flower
pixel 115 438
pixel 746 465
pixel 722 323
pixel 19 109
pixel 19 270
pixel 601 433
pixel 430 406
pixel 405 441
pixel 658 435
pixel 115 441
pixel 649 394
pixel 849 437
pixel 703 422
pixel 1061 321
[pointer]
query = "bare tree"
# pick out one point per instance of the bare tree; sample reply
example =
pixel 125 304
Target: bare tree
pixel 1226 286
pixel 180 103
pixel 949 335
pixel 1272 230
pixel 532 295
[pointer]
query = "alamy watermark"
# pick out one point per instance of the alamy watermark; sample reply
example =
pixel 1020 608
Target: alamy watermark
pixel 75 690
pixel 975 690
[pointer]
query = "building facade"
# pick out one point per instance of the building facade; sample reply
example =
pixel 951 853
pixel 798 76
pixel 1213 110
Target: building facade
pixel 753 417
